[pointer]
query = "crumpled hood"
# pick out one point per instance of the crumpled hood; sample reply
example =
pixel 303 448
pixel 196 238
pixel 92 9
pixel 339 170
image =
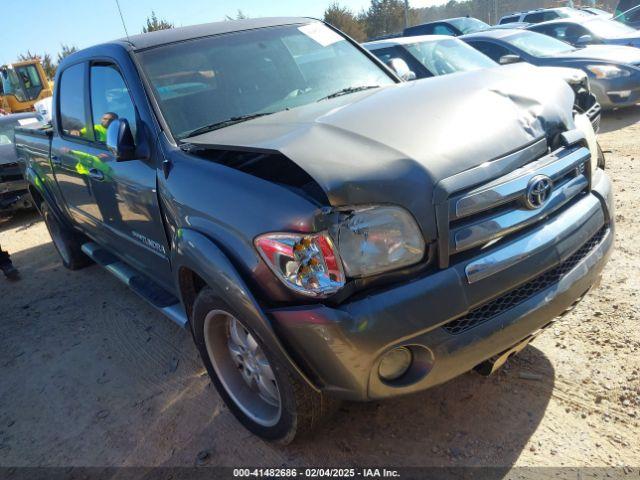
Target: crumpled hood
pixel 394 144
pixel 605 53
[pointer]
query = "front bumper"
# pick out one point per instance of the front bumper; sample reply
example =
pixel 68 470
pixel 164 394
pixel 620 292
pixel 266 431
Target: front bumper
pixel 617 92
pixel 341 346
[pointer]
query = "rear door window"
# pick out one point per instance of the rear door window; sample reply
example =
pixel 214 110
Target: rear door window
pixel 419 30
pixel 511 19
pixel 72 108
pixel 538 17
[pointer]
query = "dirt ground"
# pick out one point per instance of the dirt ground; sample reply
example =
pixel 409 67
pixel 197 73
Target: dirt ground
pixel 90 375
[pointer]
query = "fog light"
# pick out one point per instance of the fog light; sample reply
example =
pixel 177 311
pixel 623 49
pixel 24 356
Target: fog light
pixel 395 363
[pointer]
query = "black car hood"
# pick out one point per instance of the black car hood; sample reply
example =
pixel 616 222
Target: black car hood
pixel 394 144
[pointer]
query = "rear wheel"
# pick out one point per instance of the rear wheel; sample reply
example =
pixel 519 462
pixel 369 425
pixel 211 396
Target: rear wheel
pixel 68 243
pixel 263 393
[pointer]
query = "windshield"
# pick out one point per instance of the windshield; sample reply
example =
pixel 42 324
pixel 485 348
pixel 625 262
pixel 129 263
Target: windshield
pixel 610 29
pixel 210 80
pixel 11 84
pixel 468 25
pixel 537 44
pixel 449 56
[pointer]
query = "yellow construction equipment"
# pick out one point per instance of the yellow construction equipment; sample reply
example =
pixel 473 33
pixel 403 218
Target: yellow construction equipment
pixel 22 84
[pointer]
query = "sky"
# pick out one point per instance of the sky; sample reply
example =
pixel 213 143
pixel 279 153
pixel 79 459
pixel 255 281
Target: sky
pixel 84 23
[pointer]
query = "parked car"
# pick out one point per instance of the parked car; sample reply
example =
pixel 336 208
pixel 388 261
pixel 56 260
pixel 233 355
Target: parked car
pixel 14 194
pixel 591 31
pixel 324 230
pixel 434 55
pixel 542 15
pixel 614 71
pixel 451 26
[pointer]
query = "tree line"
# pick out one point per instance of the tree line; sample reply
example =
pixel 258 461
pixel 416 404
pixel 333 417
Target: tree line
pixel 382 17
pixel 386 17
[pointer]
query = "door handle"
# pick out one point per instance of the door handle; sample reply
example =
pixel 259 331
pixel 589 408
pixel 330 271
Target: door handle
pixel 96 174
pixel 55 160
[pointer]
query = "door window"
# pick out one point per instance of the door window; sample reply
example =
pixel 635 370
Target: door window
pixel 72 110
pixel 491 50
pixel 110 100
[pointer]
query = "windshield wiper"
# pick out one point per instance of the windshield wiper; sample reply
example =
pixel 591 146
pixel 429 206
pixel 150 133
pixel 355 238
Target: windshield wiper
pixel 347 91
pixel 225 123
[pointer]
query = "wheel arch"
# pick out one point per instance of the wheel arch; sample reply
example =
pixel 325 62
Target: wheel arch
pixel 197 262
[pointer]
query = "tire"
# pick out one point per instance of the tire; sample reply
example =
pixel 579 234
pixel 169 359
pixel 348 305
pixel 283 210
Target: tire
pixel 65 239
pixel 297 410
pixel 602 161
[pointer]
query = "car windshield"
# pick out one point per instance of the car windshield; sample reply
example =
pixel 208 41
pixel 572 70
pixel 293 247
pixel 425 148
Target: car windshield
pixel 468 25
pixel 448 56
pixel 538 45
pixel 609 29
pixel 230 77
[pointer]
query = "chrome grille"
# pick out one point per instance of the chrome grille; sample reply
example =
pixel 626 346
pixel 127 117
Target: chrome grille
pixel 497 209
pixel 518 295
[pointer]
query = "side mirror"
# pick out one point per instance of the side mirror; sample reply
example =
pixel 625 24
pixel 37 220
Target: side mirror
pixel 508 59
pixel 120 140
pixel 401 68
pixel 584 40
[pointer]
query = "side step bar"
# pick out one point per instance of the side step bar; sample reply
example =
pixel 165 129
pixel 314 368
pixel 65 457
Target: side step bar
pixel 164 301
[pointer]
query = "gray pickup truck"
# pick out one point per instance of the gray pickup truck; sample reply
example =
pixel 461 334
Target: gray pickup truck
pixel 324 230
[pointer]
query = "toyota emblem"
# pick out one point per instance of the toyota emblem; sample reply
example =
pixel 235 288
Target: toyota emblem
pixel 539 190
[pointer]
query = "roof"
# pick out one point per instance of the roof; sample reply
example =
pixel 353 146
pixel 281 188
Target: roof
pixel 390 42
pixel 180 34
pixel 497 33
pixel 578 20
pixel 533 10
pixel 444 20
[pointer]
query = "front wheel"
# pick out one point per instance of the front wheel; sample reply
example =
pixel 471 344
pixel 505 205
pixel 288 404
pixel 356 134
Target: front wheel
pixel 263 393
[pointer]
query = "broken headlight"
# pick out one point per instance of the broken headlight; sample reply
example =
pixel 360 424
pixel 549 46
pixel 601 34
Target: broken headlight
pixel 583 124
pixel 376 239
pixel 364 241
pixel 306 263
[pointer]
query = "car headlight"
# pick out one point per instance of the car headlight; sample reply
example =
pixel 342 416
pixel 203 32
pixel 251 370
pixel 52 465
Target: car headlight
pixel 608 71
pixel 306 263
pixel 583 124
pixel 376 239
pixel 364 241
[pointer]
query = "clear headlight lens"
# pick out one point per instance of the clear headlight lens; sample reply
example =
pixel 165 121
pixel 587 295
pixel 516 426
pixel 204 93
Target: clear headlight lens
pixel 307 264
pixel 608 71
pixel 583 124
pixel 373 240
